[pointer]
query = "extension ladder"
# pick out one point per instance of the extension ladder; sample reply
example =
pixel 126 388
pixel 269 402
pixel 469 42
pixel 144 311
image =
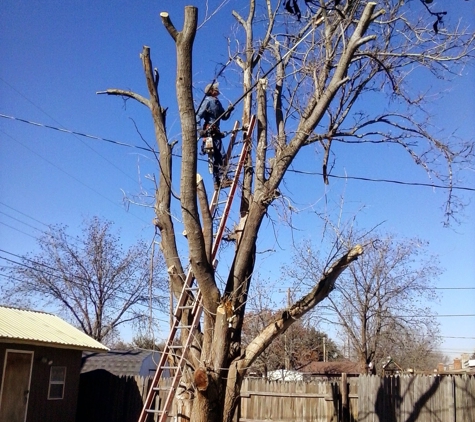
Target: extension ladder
pixel 190 298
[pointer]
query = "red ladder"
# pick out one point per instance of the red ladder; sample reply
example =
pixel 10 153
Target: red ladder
pixel 190 297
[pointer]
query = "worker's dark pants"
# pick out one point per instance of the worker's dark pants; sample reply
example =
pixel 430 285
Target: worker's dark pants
pixel 218 159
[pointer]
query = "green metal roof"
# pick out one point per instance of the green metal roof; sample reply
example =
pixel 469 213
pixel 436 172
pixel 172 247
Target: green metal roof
pixel 43 329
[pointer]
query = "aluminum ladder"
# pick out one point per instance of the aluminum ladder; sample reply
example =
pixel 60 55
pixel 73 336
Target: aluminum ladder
pixel 190 298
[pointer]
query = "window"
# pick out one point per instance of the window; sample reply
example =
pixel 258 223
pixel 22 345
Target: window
pixel 57 378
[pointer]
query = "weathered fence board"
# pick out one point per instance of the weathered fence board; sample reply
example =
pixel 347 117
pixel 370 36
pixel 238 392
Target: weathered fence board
pixel 371 399
pixel 416 398
pixel 464 398
pixel 293 401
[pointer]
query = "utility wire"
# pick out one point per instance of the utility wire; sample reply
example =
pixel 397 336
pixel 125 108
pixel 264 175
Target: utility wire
pixel 22 213
pixel 81 278
pixel 279 290
pixel 18 230
pixel 98 138
pixel 52 118
pixel 20 221
pixel 72 176
pixel 398 182
pixel 364 179
pixel 49 228
pixel 114 294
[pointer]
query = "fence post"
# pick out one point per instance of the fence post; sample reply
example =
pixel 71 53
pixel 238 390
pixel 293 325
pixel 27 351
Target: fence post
pixel 345 411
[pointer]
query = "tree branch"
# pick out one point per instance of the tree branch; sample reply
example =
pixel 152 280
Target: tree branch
pixel 125 93
pixel 304 305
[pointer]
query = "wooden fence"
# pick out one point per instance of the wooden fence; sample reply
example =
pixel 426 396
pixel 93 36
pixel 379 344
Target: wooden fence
pixel 420 398
pixel 104 397
pixel 416 398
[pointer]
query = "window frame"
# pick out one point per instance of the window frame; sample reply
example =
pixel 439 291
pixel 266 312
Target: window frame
pixel 57 382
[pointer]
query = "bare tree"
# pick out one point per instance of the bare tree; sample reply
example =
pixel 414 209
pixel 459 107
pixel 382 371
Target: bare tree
pixel 381 301
pixel 319 69
pixel 300 345
pixel 412 349
pixel 90 279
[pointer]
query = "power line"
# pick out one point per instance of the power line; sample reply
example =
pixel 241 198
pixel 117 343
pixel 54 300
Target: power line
pixel 397 182
pixel 18 230
pixel 143 305
pixel 97 138
pixel 20 221
pixel 22 213
pixel 451 288
pixel 334 176
pixel 82 278
pixel 70 175
pixel 43 232
pixel 467 338
pixel 56 121
pixel 38 263
pixel 115 294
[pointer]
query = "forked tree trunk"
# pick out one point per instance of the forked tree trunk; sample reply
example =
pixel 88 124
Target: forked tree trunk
pixel 220 369
pixel 219 362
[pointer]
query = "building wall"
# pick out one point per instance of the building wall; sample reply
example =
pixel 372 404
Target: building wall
pixel 40 409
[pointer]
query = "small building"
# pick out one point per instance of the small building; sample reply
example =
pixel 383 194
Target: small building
pixel 113 385
pixel 330 370
pixel 41 362
pixel 392 368
pixel 458 366
pixel 123 362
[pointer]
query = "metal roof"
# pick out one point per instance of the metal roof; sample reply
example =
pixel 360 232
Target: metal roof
pixel 43 329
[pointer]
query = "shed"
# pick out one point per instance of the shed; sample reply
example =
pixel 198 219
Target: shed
pixel 41 356
pixel 113 385
pixel 391 367
pixel 122 362
pixel 331 369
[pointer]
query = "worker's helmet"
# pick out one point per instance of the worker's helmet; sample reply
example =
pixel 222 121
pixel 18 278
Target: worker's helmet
pixel 215 86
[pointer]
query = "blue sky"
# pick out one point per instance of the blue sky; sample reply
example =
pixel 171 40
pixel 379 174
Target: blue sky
pixel 57 55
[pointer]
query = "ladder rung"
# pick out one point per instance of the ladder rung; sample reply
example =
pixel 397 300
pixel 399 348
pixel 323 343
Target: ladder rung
pixel 157 412
pixel 175 346
pixel 181 327
pixel 186 307
pixel 162 388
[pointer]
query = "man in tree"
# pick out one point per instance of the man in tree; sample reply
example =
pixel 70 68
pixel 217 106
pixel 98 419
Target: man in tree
pixel 212 111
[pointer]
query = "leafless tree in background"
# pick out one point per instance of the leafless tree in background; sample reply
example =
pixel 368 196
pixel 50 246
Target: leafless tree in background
pixel 91 279
pixel 381 302
pixel 300 345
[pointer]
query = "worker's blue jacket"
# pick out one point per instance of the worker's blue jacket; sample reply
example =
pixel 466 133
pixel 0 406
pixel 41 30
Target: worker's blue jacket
pixel 210 110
